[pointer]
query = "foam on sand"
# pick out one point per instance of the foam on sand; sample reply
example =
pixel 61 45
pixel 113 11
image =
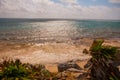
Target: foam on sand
pixel 46 53
pixel 43 57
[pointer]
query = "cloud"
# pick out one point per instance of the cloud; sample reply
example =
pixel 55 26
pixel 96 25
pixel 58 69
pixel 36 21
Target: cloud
pixel 69 1
pixel 50 9
pixel 114 1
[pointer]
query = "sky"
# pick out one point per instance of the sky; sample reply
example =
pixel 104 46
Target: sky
pixel 67 9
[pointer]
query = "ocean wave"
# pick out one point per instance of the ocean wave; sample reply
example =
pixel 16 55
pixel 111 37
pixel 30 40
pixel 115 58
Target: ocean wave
pixel 61 31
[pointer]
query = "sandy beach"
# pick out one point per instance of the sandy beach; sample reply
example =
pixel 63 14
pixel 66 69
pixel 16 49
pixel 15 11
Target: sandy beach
pixel 47 53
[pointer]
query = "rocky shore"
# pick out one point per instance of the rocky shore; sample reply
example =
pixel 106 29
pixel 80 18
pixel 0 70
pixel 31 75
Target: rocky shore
pixel 66 61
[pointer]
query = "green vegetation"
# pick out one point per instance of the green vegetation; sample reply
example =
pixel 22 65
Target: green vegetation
pixel 15 70
pixel 101 63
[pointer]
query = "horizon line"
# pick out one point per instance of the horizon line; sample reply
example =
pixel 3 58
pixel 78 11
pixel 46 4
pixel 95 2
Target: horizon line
pixel 60 19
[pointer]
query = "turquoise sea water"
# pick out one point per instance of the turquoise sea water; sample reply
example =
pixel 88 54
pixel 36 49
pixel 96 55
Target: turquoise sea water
pixel 50 30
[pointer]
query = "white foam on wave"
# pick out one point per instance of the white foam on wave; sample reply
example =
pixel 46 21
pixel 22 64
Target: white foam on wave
pixel 44 58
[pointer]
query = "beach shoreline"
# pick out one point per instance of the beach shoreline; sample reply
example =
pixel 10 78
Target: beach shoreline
pixel 49 53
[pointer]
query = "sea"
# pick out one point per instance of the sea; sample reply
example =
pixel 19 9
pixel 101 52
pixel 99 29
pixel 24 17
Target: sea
pixel 57 30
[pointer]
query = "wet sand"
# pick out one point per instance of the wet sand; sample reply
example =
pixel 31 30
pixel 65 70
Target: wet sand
pixel 47 53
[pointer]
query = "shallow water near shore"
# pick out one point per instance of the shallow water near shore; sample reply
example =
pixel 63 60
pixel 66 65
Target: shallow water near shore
pixel 53 41
pixel 45 30
pixel 42 53
pixel 47 53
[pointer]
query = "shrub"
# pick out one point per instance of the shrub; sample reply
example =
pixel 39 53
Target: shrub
pixel 15 70
pixel 101 67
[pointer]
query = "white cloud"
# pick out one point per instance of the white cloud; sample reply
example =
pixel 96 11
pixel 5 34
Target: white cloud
pixel 50 9
pixel 114 1
pixel 69 1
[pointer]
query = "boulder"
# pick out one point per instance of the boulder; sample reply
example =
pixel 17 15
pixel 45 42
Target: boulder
pixel 53 68
pixel 81 64
pixel 64 66
pixel 75 70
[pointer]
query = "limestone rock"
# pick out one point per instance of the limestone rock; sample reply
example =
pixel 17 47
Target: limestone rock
pixel 64 66
pixel 81 64
pixel 53 68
